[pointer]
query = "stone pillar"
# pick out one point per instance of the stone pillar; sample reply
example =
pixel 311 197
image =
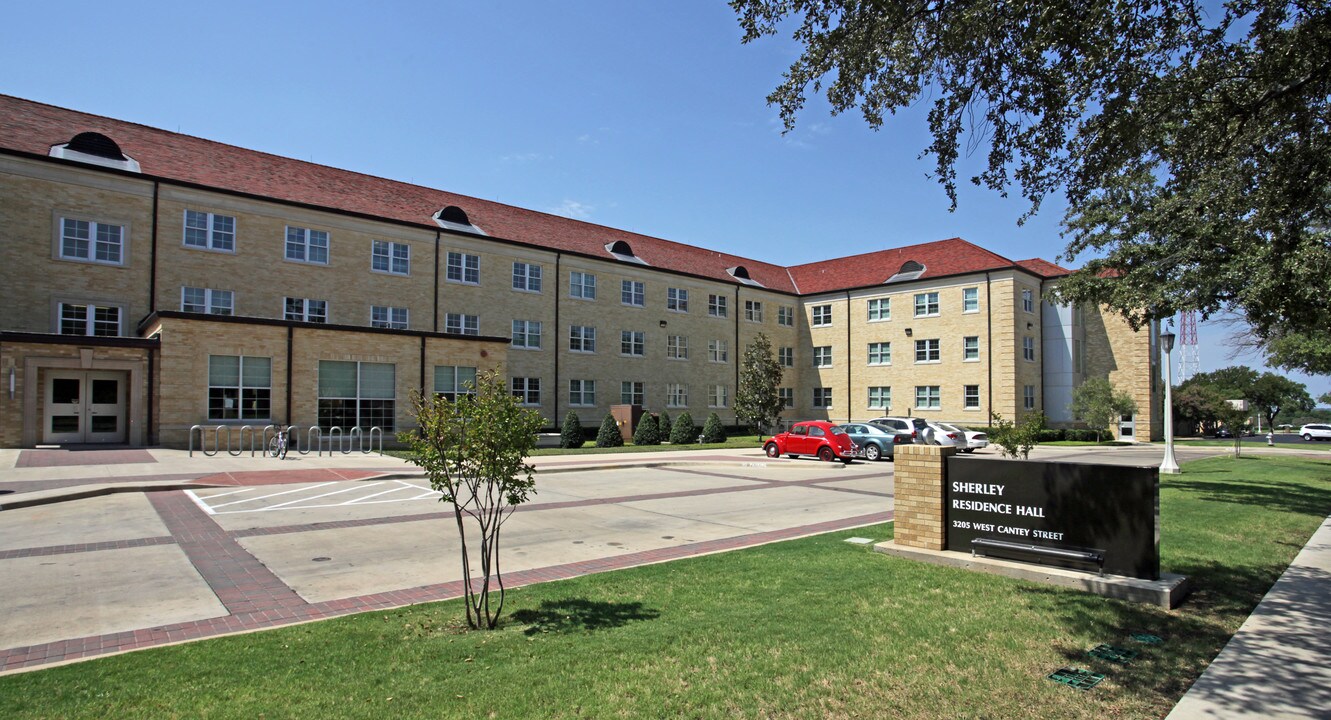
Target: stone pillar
pixel 921 472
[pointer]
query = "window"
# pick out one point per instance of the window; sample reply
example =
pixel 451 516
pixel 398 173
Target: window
pixel 880 397
pixel 526 277
pixel 927 351
pixel 822 356
pixel 677 299
pixel 970 348
pixel 880 353
pixel 306 245
pixel 96 320
pixel 787 396
pixel 1028 348
pixel 753 311
pixel 677 347
pixel 1028 301
pixel 971 397
pixel 822 397
pixel 631 393
pixel 209 231
pixel 677 395
pixel 460 324
pixel 390 257
pixel 526 390
pixel 926 304
pixel 384 316
pixel 880 309
pixel 786 356
pixel 970 299
pixel 718 351
pixel 717 396
pixel 928 397
pixel 527 334
pixel 239 387
pixel 305 310
pixel 357 394
pixel 1028 397
pixel 92 241
pixel 451 381
pixel 207 300
pixel 822 315
pixel 633 293
pixel 582 338
pixel 581 393
pixel 463 268
pixel 632 343
pixel 716 306
pixel 582 285
pixel 785 316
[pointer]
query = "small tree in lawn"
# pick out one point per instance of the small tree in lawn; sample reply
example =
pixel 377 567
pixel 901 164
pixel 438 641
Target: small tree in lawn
pixel 683 431
pixel 1233 414
pixel 712 430
pixel 570 435
pixel 1016 440
pixel 664 426
pixel 609 436
pixel 1096 402
pixel 647 433
pixel 473 450
pixel 757 400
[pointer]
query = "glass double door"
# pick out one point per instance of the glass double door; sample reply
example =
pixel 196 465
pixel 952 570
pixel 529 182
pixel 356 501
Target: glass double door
pixel 85 407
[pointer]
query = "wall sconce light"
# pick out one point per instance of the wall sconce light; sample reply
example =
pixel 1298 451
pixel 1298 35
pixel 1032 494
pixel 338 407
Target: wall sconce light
pixel 1030 326
pixel 663 323
pixel 909 333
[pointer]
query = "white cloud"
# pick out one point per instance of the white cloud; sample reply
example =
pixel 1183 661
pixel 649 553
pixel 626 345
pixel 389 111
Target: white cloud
pixel 573 209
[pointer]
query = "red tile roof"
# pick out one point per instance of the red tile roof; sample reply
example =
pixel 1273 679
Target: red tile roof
pixel 1044 268
pixel 31 127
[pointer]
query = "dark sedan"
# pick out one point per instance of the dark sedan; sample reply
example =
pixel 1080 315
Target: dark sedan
pixel 875 441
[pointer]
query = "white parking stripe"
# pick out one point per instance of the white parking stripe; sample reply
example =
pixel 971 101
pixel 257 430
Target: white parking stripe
pixel 353 488
pixel 197 501
pixel 284 492
pixel 359 500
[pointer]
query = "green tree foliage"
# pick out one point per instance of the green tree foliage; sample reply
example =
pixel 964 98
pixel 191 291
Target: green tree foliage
pixel 1197 407
pixel 1230 416
pixel 1016 440
pixel 648 432
pixel 665 426
pixel 1325 399
pixel 474 452
pixel 757 401
pixel 1273 394
pixel 683 431
pixel 609 435
pixel 712 430
pixel 570 435
pixel 1190 138
pixel 1097 403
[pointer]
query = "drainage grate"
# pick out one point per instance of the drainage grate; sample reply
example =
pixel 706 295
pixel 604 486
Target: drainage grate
pixel 320 559
pixel 1119 655
pixel 1148 638
pixel 1077 678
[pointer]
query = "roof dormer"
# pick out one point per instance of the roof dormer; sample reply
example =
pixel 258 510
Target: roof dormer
pixel 910 270
pixel 95 149
pixel 741 273
pixel 455 218
pixel 622 251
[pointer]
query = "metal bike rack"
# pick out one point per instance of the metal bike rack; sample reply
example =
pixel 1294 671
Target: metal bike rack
pixel 203 439
pixel 244 430
pixel 376 430
pixel 313 440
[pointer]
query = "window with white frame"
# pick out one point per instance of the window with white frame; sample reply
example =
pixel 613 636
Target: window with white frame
pixel 1028 397
pixel 582 393
pixel 239 387
pixel 95 320
pixel 785 316
pixel 677 299
pixel 527 334
pixel 209 231
pixel 388 316
pixel 357 394
pixel 94 242
pixel 631 393
pixel 207 300
pixel 880 353
pixel 786 356
pixel 677 395
pixel 1028 348
pixel 718 351
pixel 527 390
pixel 632 343
pixel 880 309
pixel 306 245
pixel 582 338
pixel 880 397
pixel 452 381
pixel 677 347
pixel 970 348
pixel 753 311
pixel 393 258
pixel 970 397
pixel 633 293
pixel 928 397
pixel 582 285
pixel 718 396
pixel 927 351
pixel 463 268
pixel 926 304
pixel 822 356
pixel 822 397
pixel 787 396
pixel 526 277
pixel 305 310
pixel 716 306
pixel 822 315
pixel 462 324
pixel 970 299
pixel 1028 300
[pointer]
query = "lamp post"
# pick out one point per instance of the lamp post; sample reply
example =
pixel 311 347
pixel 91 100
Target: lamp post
pixel 1169 466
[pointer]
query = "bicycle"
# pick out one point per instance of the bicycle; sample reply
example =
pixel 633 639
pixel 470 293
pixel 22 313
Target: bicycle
pixel 277 447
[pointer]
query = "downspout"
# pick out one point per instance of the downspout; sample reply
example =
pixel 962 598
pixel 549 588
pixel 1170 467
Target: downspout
pixel 849 354
pixel 150 436
pixel 989 347
pixel 737 353
pixel 152 256
pixel 422 366
pixel 291 334
pixel 554 390
pixel 436 280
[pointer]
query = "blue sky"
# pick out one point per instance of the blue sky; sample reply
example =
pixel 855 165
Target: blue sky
pixel 649 117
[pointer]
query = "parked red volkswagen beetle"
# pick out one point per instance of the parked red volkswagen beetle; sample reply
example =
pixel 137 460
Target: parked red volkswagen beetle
pixel 812 437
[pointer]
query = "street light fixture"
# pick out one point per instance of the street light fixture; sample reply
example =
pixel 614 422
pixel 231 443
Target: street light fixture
pixel 1169 466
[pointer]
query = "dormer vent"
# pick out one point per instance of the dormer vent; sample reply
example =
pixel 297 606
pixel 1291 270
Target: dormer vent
pixel 455 218
pixel 95 149
pixel 622 251
pixel 741 273
pixel 910 270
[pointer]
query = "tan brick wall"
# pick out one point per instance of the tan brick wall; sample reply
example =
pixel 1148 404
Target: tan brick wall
pixel 919 511
pixel 1114 350
pixel 26 409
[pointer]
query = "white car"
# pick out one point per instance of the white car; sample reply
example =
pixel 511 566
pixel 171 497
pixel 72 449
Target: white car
pixel 976 440
pixel 947 435
pixel 1316 431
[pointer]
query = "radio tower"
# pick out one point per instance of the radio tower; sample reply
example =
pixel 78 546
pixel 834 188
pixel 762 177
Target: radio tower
pixel 1191 363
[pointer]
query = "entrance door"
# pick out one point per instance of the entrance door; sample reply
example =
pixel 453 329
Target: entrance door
pixel 85 407
pixel 1127 428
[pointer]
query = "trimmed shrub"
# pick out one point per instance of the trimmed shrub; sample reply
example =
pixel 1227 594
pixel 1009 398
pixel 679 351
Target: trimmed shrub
pixel 648 432
pixel 570 435
pixel 712 430
pixel 1052 434
pixel 608 435
pixel 663 426
pixel 683 431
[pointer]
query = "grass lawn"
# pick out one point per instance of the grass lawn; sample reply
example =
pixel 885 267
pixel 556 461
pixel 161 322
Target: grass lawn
pixel 741 442
pixel 1250 442
pixel 1086 443
pixel 812 628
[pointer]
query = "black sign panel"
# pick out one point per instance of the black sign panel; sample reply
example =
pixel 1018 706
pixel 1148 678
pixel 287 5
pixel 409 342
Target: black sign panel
pixel 1109 509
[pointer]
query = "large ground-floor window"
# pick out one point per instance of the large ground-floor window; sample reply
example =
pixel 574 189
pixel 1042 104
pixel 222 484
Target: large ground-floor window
pixel 357 394
pixel 239 388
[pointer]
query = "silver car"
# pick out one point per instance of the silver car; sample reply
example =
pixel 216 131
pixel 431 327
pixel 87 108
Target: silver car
pixel 947 435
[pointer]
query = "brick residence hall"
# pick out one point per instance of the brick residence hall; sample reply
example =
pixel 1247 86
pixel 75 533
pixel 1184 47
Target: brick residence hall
pixel 152 281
